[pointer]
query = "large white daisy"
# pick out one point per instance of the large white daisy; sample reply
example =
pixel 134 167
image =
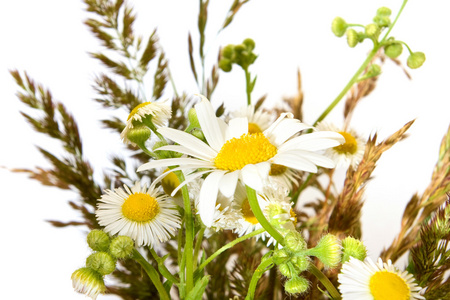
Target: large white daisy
pixel 144 215
pixel 381 281
pixel 232 153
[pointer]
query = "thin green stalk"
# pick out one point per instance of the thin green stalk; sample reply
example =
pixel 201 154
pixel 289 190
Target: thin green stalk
pixel 198 244
pixel 253 201
pixel 163 269
pixel 148 152
pixel 247 86
pixel 256 276
pixel 189 245
pixel 325 281
pixel 230 245
pixel 152 273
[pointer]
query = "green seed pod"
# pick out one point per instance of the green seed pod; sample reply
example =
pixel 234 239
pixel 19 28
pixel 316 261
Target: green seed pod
pixel 225 64
pixel 228 52
pixel 353 247
pixel 416 60
pixel 296 285
pixel 98 240
pixel 384 12
pixel 374 70
pixel 101 262
pixel 139 134
pixel 373 31
pixel 249 43
pixel 352 38
pixel 393 50
pixel 121 247
pixel 286 269
pixel 338 26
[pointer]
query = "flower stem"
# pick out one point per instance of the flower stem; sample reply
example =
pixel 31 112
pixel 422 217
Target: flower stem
pixel 152 273
pixel 263 266
pixel 229 245
pixel 198 244
pixel 325 281
pixel 248 86
pixel 163 269
pixel 253 201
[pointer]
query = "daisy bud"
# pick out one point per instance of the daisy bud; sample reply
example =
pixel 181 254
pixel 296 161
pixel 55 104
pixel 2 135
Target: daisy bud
pixel 121 247
pixel 225 64
pixel 249 43
pixel 228 52
pixel 88 282
pixel 193 120
pixel 328 250
pixel 101 262
pixel 374 70
pixel 286 269
pixel 352 38
pixel 296 285
pixel 382 17
pixel 384 12
pixel 338 26
pixel 373 31
pixel 294 241
pixel 139 134
pixel 280 256
pixel 416 60
pixel 301 262
pixel 353 247
pixel 98 240
pixel 393 50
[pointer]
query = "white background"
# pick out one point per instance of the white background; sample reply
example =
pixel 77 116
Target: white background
pixel 48 40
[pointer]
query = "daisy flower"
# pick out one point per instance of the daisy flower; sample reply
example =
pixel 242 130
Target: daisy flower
pixel 139 213
pixel 158 113
pixel 258 120
pixel 381 281
pixel 89 282
pixel 349 153
pixel 233 153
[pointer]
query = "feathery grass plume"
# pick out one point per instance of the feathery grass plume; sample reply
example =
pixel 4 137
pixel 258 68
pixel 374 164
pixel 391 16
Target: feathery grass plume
pixel 345 217
pixel 237 4
pixel 419 208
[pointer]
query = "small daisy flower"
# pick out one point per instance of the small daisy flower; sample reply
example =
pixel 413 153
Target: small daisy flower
pixel 142 214
pixel 233 154
pixel 226 217
pixel 258 120
pixel 89 282
pixel 157 112
pixel 381 281
pixel 349 153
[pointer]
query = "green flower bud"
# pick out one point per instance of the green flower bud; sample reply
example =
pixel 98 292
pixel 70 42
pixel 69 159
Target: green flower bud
pixel 352 38
pixel 139 134
pixel 338 26
pixel 88 282
pixel 193 120
pixel 228 52
pixel 328 251
pixel 98 240
pixel 101 262
pixel 249 43
pixel 239 49
pixel 294 241
pixel 296 285
pixel 121 247
pixel 286 269
pixel 393 50
pixel 384 12
pixel 373 31
pixel 302 262
pixel 280 256
pixel 382 17
pixel 198 134
pixel 353 247
pixel 416 60
pixel 225 64
pixel 374 70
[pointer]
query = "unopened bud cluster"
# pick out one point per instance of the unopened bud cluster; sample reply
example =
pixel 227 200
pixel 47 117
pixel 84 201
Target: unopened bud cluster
pixel 392 48
pixel 241 55
pixel 89 280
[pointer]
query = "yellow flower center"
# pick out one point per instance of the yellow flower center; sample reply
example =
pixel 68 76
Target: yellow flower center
pixel 250 148
pixel 134 111
pixel 140 207
pixel 277 169
pixel 349 147
pixel 170 182
pixel 248 213
pixel 294 216
pixel 253 128
pixel 386 285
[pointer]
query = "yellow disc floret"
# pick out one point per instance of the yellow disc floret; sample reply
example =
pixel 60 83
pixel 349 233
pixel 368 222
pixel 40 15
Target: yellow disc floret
pixel 253 128
pixel 387 285
pixel 250 148
pixel 248 213
pixel 277 169
pixel 140 207
pixel 349 147
pixel 135 110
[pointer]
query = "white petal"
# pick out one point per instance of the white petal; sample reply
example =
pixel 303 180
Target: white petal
pixel 294 161
pixel 315 158
pixel 185 150
pixel 187 140
pixel 314 141
pixel 208 197
pixel 285 129
pixel 268 131
pixel 188 179
pixel 187 162
pixel 228 183
pixel 252 177
pixel 210 126
pixel 236 128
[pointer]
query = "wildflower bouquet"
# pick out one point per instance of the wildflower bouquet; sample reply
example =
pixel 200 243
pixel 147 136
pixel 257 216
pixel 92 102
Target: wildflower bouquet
pixel 211 202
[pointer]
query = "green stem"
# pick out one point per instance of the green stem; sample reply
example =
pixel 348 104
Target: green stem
pixel 256 276
pixel 198 244
pixel 163 269
pixel 188 247
pixel 229 245
pixel 248 88
pixel 148 152
pixel 325 281
pixel 253 201
pixel 152 273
